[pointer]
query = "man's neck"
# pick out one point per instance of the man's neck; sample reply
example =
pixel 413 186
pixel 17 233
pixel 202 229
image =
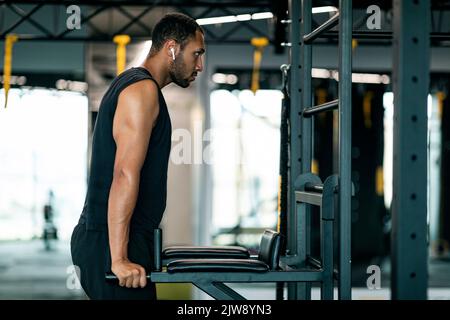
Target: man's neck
pixel 158 70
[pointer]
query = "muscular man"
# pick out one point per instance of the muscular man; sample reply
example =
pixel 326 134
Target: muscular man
pixel 126 194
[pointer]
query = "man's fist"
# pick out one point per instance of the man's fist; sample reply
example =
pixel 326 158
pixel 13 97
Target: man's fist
pixel 130 275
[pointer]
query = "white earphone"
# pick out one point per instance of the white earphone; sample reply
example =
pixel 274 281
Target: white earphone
pixel 173 53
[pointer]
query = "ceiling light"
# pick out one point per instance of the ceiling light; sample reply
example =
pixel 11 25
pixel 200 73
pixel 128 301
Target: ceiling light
pixel 324 9
pixel 240 17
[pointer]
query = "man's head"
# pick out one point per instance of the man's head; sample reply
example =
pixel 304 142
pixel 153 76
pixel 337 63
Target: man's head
pixel 180 39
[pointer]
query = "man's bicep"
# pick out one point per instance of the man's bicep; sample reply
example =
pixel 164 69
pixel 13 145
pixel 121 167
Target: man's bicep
pixel 137 109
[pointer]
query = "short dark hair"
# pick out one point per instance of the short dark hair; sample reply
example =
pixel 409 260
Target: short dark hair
pixel 176 26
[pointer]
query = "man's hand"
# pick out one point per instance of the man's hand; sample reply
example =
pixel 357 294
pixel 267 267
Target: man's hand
pixel 130 275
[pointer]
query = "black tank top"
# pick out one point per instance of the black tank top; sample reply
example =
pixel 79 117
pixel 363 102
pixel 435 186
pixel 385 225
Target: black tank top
pixel 151 201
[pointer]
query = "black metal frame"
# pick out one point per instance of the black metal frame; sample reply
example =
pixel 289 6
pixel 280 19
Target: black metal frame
pixel 299 245
pixel 213 283
pixel 314 270
pixel 189 7
pixel 98 7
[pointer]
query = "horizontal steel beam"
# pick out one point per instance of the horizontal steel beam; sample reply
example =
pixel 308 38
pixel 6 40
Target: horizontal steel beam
pixel 27 37
pixel 185 4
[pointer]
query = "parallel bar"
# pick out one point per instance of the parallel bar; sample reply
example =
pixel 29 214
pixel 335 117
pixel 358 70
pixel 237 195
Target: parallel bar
pixel 329 24
pixel 331 105
pixel 409 279
pixel 345 145
pixel 295 275
pixel 238 277
pixel 313 198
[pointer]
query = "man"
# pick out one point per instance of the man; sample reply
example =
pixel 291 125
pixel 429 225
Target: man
pixel 126 194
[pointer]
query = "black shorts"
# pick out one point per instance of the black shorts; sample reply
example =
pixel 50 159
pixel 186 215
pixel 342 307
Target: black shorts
pixel 90 253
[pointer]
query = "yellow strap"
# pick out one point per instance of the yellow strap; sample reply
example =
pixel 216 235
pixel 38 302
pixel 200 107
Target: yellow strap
pixel 315 166
pixel 440 97
pixel 367 109
pixel 121 52
pixel 259 44
pixel 321 98
pixel 379 181
pixel 354 44
pixel 10 39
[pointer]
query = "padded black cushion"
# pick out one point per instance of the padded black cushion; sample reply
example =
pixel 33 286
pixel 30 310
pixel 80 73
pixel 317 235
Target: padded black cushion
pixel 217 265
pixel 269 249
pixel 206 252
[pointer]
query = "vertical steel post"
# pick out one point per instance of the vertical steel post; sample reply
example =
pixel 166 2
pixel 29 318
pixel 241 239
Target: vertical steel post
pixel 295 142
pixel 345 145
pixel 409 204
pixel 306 90
pixel 304 248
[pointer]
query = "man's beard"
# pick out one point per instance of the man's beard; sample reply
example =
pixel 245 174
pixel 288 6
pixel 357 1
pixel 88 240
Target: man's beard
pixel 176 74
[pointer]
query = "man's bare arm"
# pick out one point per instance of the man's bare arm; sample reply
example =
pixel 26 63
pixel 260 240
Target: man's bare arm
pixel 136 112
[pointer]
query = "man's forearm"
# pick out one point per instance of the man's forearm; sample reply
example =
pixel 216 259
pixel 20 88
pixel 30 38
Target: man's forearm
pixel 122 200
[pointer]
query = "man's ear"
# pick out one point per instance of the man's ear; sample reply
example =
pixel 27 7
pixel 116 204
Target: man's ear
pixel 168 46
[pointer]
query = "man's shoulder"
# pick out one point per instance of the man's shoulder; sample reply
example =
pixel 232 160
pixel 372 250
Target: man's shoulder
pixel 145 87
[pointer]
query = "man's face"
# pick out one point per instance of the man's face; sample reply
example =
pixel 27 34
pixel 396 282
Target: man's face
pixel 188 62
